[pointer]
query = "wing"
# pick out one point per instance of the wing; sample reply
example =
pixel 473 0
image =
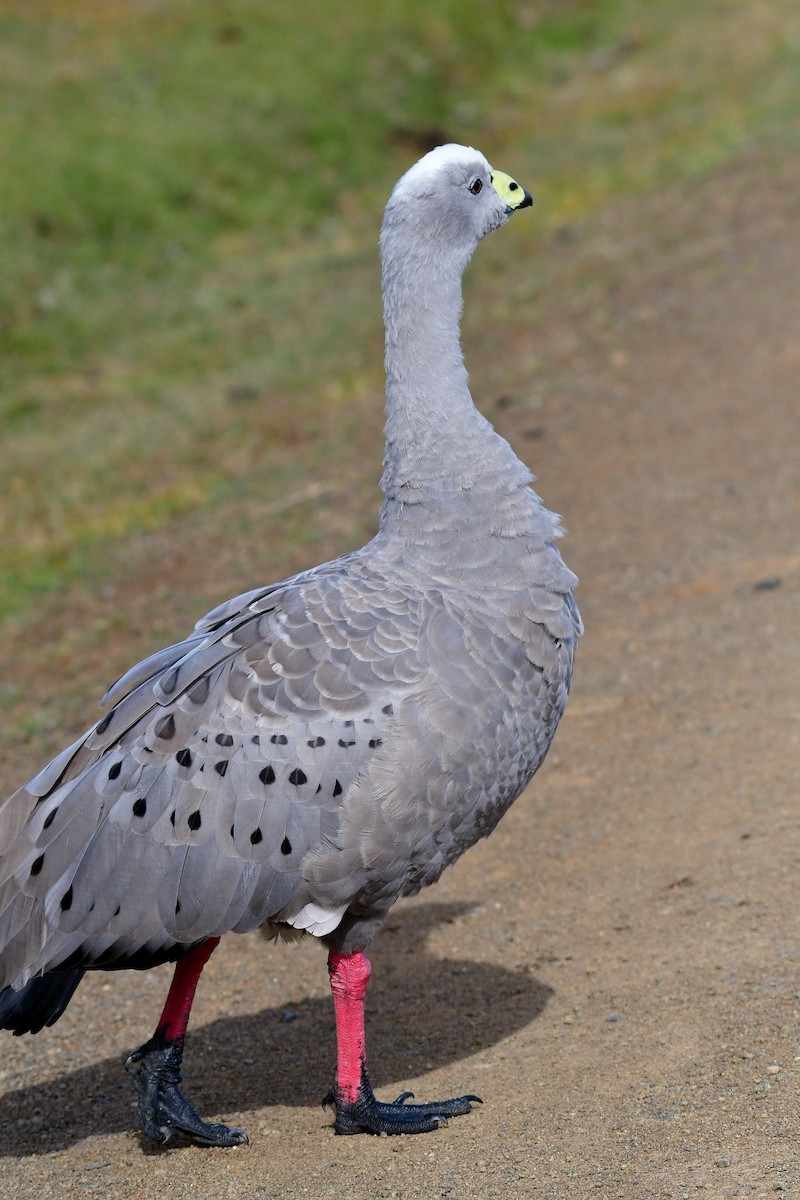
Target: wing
pixel 187 810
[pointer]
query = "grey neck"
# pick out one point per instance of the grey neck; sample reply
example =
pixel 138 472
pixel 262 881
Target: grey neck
pixel 438 446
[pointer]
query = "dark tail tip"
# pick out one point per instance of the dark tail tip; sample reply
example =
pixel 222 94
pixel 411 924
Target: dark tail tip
pixel 40 1002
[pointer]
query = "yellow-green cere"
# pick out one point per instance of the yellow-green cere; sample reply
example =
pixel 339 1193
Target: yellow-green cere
pixel 509 190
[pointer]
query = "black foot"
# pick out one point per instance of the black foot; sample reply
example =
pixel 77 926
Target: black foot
pixel 368 1115
pixel 162 1107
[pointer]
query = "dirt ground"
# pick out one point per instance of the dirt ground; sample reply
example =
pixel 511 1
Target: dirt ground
pixel 616 971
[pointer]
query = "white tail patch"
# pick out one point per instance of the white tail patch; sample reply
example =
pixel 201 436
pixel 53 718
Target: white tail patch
pixel 315 919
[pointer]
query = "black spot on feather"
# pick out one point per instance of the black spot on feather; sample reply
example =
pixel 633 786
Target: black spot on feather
pixel 194 820
pixel 113 772
pixel 345 745
pixel 298 777
pixel 286 846
pixel 256 836
pixel 224 739
pixel 267 775
pixel 279 739
pixel 169 681
pixel 103 725
pixel 140 807
pixel 388 710
pixel 315 743
pixel 37 865
pixel 184 758
pixel 51 816
pixel 165 728
pixel 221 767
pixel 66 900
pixel 172 818
pixel 375 742
pixel 198 693
pixel 337 788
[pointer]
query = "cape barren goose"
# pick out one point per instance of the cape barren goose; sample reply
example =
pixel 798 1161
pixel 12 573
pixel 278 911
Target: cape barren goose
pixel 319 747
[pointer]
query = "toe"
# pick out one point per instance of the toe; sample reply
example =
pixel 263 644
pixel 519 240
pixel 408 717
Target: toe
pixel 219 1135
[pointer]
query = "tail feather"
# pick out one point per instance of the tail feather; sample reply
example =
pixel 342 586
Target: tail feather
pixel 40 1002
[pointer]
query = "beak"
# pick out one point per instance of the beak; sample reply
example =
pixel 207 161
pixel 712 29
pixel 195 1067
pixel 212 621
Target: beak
pixel 510 191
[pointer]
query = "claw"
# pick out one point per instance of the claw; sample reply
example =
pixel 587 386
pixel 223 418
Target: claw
pixel 367 1115
pixel 162 1106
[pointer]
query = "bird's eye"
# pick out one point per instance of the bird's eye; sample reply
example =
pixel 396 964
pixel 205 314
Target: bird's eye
pixel 476 185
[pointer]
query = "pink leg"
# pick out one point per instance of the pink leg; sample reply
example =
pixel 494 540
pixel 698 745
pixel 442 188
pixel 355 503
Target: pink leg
pixel 357 1110
pixel 188 970
pixel 349 978
pixel 162 1106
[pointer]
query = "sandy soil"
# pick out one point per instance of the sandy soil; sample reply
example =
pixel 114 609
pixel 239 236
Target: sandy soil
pixel 617 970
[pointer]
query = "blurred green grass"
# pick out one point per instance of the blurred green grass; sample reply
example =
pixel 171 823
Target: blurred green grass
pixel 190 195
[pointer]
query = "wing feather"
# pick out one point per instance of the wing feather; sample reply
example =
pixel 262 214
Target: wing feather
pixel 223 761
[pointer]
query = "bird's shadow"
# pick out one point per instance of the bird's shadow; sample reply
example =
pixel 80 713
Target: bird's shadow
pixel 424 1012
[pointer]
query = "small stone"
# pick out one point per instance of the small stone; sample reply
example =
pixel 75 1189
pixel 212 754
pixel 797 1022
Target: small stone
pixel 722 1162
pixel 774 1069
pixel 769 584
